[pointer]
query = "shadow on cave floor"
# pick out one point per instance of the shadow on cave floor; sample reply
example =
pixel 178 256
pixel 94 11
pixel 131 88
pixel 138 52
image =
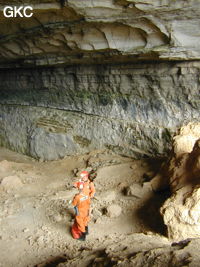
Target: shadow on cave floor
pixel 149 214
pixel 53 261
pixel 155 163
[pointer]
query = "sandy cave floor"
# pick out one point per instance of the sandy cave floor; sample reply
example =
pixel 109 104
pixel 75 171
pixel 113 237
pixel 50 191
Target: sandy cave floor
pixel 35 216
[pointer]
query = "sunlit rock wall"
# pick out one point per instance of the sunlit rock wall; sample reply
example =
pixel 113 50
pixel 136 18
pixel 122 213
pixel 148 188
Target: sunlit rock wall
pixel 181 211
pixel 132 109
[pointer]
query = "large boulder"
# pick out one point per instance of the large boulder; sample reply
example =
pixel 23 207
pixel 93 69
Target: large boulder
pixel 113 211
pixel 183 165
pixel 185 140
pixel 139 191
pixel 11 183
pixel 181 214
pixel 181 211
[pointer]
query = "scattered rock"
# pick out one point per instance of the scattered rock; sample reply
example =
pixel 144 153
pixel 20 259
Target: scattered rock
pixel 107 196
pixel 11 183
pixel 181 255
pixel 134 190
pixel 96 213
pixel 113 211
pixel 40 240
pixel 57 218
pixel 139 191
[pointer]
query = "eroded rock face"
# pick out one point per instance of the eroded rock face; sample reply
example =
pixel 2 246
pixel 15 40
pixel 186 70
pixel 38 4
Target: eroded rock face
pixel 185 253
pixel 184 166
pixel 181 214
pixel 132 109
pixel 185 141
pixel 181 210
pixel 103 31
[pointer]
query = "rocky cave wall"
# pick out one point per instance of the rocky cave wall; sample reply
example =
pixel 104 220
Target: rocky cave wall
pixel 74 31
pixel 56 101
pixel 132 109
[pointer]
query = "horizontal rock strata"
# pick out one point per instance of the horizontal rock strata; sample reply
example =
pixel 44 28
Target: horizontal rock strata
pixel 74 31
pixel 132 109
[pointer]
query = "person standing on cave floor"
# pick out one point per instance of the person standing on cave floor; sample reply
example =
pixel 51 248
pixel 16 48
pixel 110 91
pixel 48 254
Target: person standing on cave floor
pixel 87 190
pixel 81 204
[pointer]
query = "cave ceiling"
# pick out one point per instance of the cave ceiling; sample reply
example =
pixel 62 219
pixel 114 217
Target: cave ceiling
pixel 100 31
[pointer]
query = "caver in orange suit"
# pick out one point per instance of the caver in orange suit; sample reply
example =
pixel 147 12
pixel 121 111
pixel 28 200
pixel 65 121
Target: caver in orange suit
pixel 81 203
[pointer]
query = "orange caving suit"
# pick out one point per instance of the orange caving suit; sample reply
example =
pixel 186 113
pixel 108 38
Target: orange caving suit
pixel 88 188
pixel 81 203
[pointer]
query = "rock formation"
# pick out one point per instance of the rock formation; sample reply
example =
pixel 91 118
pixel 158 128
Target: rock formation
pixel 87 31
pixel 181 210
pixel 131 109
pixel 184 253
pixel 54 101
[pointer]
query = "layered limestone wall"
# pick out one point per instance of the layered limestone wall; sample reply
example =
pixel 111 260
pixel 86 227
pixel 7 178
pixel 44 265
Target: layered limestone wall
pixel 132 109
pixel 50 109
